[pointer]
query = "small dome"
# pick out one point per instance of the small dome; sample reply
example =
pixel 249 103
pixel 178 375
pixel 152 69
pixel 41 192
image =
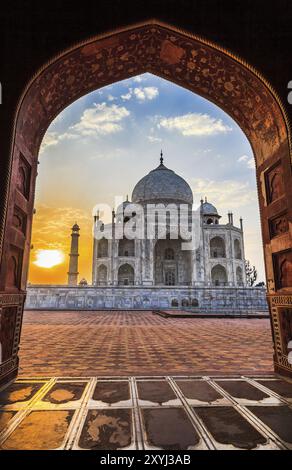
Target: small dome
pixel 75 227
pixel 209 209
pixel 122 206
pixel 163 185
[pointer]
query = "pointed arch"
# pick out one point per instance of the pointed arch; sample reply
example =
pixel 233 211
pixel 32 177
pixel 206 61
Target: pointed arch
pixel 188 60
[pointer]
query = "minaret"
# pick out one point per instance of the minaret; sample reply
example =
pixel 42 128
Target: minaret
pixel 113 249
pixel 95 248
pixel 73 262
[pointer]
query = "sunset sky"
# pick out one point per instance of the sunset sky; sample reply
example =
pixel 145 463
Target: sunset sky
pixel 102 144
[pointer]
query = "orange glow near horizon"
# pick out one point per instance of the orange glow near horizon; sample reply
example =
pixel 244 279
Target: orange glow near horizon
pixel 49 258
pixel 51 233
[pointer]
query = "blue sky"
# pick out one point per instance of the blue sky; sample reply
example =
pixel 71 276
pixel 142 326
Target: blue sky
pixel 102 144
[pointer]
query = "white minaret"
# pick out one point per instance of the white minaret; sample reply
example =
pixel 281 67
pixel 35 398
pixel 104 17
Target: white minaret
pixel 95 247
pixel 73 261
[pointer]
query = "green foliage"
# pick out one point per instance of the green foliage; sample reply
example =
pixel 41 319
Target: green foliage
pixel 251 273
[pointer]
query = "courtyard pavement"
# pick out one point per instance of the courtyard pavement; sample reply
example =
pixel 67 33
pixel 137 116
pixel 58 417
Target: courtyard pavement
pixel 115 343
pixel 135 380
pixel 246 412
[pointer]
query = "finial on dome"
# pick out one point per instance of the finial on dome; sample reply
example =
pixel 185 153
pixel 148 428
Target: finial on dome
pixel 127 198
pixel 161 158
pixel 206 199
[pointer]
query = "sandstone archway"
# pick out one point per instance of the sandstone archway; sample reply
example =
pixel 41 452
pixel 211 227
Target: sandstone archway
pixel 189 61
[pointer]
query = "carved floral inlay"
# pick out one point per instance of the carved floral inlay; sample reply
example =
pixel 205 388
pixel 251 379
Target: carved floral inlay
pixel 164 52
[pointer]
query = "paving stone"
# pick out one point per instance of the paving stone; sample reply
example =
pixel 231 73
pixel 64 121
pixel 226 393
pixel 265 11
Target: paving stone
pixel 64 393
pixel 111 392
pixel 278 418
pixel 198 390
pixel 107 429
pixel 18 392
pixel 169 428
pixel 279 386
pixel 40 430
pixel 228 427
pixel 155 391
pixel 242 389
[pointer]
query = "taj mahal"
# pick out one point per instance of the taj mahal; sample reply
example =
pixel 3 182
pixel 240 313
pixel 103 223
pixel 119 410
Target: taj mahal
pixel 157 268
pixel 217 261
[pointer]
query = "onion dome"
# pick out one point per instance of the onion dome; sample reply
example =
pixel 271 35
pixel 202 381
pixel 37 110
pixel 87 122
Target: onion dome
pixel 162 185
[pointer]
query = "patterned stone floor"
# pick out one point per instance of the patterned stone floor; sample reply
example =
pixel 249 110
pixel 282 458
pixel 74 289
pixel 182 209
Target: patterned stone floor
pixel 253 412
pixel 79 344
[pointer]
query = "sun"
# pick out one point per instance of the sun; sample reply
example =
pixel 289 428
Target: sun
pixel 49 258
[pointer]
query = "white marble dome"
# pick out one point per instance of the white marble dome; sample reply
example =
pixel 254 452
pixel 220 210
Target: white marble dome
pixel 123 206
pixel 209 209
pixel 162 185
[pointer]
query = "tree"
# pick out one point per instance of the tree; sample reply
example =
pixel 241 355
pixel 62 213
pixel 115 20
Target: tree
pixel 251 273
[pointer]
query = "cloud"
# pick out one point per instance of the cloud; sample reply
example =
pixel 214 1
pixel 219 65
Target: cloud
pixel 111 154
pixel 127 96
pixel 154 139
pixel 101 119
pixel 50 139
pixel 139 78
pixel 194 124
pixel 228 194
pixel 111 98
pixel 141 93
pixel 146 93
pixel 243 158
pixel 53 138
pixel 249 161
pixel 202 151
